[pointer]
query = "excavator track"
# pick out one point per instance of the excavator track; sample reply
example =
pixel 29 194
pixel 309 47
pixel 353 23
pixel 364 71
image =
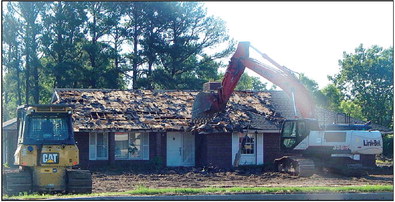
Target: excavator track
pixel 79 181
pixel 299 166
pixel 20 182
pixel 350 170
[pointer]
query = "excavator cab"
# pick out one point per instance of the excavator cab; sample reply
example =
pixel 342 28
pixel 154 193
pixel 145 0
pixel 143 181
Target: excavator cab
pixel 294 131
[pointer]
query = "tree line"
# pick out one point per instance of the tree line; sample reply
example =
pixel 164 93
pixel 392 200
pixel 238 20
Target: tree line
pixel 156 45
pixel 364 87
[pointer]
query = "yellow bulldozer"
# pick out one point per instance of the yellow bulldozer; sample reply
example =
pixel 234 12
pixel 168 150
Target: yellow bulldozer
pixel 47 153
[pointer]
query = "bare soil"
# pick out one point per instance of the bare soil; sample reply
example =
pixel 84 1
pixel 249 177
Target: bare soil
pixel 118 181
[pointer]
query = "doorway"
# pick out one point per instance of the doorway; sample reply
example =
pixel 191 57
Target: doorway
pixel 180 149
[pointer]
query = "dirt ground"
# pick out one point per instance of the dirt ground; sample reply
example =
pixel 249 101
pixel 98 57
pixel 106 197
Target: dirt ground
pixel 117 181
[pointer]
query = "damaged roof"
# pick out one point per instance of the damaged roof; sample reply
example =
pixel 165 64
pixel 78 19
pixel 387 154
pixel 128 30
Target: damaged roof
pixel 101 109
pixel 171 110
pixel 244 110
pixel 118 110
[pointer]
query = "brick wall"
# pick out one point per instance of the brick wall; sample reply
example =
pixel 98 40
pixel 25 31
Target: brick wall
pixel 82 140
pixel 157 151
pixel 271 147
pixel 200 150
pixel 214 149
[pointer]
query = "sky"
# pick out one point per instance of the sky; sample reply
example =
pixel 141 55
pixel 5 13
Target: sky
pixel 307 37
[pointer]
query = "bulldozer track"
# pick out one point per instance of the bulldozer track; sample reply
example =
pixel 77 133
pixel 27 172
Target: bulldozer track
pixel 79 181
pixel 19 182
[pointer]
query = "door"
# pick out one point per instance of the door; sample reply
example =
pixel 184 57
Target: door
pixel 248 153
pixel 180 149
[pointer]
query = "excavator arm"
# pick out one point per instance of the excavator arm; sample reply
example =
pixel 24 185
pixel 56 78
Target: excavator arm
pixel 207 104
pixel 289 83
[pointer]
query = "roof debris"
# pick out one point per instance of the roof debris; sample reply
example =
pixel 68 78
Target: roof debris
pixel 245 110
pixel 156 110
pixel 114 110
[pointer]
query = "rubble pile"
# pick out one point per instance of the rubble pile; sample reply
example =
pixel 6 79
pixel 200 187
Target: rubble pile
pixel 115 110
pixel 129 109
pixel 245 110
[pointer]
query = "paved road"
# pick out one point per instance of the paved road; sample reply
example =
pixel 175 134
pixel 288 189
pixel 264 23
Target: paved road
pixel 389 196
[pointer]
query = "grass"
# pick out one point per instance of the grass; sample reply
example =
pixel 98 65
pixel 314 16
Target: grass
pixel 186 191
pixel 379 161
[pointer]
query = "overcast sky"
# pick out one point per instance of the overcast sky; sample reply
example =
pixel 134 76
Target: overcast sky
pixel 308 37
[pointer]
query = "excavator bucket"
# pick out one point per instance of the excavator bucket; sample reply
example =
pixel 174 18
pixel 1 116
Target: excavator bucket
pixel 205 106
pixel 208 104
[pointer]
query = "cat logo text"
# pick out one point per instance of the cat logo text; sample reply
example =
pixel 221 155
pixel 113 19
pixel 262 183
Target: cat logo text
pixel 50 158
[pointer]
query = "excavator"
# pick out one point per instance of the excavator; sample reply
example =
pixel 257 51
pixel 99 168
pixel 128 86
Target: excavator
pixel 307 146
pixel 46 153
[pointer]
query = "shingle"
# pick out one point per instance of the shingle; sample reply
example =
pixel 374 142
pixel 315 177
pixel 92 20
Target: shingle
pixel 168 110
pixel 102 109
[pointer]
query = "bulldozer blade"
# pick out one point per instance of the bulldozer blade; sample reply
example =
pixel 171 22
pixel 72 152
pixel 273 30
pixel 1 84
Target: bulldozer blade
pixel 205 106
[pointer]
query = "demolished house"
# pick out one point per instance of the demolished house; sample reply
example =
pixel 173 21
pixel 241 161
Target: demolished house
pixel 129 126
pixel 118 127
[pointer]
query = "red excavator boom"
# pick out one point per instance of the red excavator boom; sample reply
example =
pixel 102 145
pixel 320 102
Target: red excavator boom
pixel 207 104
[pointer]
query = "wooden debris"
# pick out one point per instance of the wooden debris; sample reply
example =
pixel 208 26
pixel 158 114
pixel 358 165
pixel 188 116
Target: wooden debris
pixel 164 110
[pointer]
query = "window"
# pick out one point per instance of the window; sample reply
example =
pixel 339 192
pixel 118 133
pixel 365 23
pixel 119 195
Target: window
pixel 289 134
pixel 48 128
pixel 289 142
pixel 249 145
pixel 289 129
pixel 131 146
pixel 98 146
pixel 302 131
pixel 43 128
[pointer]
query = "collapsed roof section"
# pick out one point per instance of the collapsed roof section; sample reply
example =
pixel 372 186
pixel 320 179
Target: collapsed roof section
pixel 244 110
pixel 134 110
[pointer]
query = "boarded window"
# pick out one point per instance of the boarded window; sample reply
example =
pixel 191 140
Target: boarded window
pixel 335 136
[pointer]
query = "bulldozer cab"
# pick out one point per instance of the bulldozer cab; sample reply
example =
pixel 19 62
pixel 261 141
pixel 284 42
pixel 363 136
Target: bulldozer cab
pixel 294 131
pixel 45 125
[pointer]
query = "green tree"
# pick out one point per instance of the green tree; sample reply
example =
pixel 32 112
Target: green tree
pixel 100 73
pixel 247 82
pixel 135 24
pixel 189 31
pixel 313 87
pixel 29 12
pixel 366 78
pixel 62 40
pixel 118 36
pixel 332 97
pixel 20 55
pixel 11 62
pixel 352 109
pixel 50 45
pixel 153 30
